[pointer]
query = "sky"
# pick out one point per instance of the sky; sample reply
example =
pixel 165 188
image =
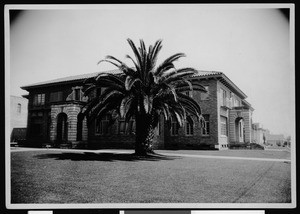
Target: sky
pixel 250 45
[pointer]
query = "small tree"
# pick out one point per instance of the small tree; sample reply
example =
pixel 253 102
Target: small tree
pixel 144 92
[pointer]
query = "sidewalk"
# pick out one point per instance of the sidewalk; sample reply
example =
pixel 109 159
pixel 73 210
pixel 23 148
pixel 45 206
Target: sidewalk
pixel 180 153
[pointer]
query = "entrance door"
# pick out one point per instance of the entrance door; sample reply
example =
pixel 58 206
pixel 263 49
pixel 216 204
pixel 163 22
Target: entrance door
pixel 239 129
pixel 62 128
pixel 80 118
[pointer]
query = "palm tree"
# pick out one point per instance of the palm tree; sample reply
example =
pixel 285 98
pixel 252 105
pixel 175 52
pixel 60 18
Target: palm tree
pixel 144 92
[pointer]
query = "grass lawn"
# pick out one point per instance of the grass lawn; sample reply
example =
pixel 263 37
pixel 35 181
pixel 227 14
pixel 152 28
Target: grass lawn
pixel 49 176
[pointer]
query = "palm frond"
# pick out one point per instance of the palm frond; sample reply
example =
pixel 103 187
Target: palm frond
pixel 89 89
pixel 130 81
pixel 110 78
pixel 144 91
pixel 126 101
pixel 136 52
pixel 168 63
pixel 105 60
pixel 178 76
pixel 135 64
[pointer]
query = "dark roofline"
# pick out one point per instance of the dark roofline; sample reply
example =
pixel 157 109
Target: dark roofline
pixel 248 104
pixel 78 78
pixel 244 96
pixel 42 85
pixel 66 80
pixel 221 76
pixel 58 81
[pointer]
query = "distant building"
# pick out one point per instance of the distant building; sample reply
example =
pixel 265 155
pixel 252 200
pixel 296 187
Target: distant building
pixel 275 139
pixel 55 117
pixel 258 134
pixel 18 117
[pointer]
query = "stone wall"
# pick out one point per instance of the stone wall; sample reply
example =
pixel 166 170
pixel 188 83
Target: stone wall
pixel 18 112
pixel 72 111
pixel 245 114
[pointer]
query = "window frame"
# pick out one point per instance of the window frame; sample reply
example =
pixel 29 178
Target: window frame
pixel 77 92
pixel 56 96
pixel 222 123
pixel 129 127
pixel 206 129
pixel 189 127
pixel 19 108
pixel 174 128
pixel 119 127
pixel 101 123
pixel 38 99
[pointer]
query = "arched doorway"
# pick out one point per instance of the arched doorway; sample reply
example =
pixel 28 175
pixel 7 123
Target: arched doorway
pixel 62 128
pixel 80 118
pixel 239 129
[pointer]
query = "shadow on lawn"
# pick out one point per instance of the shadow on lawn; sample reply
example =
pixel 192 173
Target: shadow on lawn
pixel 90 156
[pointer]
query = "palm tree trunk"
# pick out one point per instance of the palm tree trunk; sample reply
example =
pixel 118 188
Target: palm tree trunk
pixel 144 135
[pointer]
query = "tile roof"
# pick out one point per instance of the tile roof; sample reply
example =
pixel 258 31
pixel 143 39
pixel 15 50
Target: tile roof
pixel 207 73
pixel 88 75
pixel 69 78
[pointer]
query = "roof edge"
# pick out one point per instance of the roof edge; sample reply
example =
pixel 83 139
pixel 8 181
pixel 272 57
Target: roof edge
pixel 244 96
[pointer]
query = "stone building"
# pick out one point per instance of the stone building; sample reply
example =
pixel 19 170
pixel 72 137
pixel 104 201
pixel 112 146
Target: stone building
pixel 18 117
pixel 55 117
pixel 258 134
pixel 275 140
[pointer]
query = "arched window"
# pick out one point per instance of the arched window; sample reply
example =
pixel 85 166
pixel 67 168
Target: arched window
pixel 174 127
pixel 62 127
pixel 102 125
pixel 19 108
pixel 206 128
pixel 189 126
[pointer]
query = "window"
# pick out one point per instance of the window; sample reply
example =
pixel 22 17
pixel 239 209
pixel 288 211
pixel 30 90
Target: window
pixel 19 108
pixel 56 96
pixel 205 129
pixel 130 127
pixel 189 126
pixel 224 96
pixel 174 127
pixel 39 99
pixel 102 125
pixel 122 126
pixel 159 128
pixel 230 99
pixel 223 121
pixel 203 95
pixel 77 93
pixel 235 102
pixel 80 118
pixel 126 128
